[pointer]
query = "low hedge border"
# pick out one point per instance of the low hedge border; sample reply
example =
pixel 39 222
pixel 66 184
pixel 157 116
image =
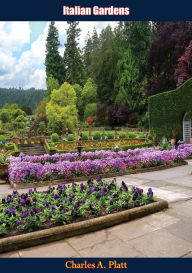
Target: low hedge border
pixel 12 149
pixel 51 150
pixel 84 178
pixel 66 231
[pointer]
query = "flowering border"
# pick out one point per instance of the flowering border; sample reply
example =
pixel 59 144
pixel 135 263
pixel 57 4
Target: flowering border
pixel 84 178
pixel 66 231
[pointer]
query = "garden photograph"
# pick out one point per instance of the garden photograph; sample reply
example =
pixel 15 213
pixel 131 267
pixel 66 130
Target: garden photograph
pixel 95 139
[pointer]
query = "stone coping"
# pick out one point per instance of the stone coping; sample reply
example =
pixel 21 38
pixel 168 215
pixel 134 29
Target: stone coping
pixel 84 178
pixel 69 230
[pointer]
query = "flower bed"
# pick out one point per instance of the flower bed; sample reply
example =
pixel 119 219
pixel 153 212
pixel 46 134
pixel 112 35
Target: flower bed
pixel 31 169
pixel 92 145
pixel 62 205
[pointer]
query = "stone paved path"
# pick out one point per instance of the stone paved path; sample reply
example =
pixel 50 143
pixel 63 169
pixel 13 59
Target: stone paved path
pixel 164 234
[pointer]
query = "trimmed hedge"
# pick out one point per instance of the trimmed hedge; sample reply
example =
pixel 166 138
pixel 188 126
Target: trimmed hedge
pixel 166 110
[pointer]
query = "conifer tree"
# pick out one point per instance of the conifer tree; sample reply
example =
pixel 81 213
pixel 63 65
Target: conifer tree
pixel 72 56
pixel 53 60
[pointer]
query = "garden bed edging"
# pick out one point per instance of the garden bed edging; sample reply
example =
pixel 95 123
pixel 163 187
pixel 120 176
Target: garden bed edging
pixel 66 231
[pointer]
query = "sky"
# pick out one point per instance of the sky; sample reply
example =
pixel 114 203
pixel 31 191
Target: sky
pixel 22 50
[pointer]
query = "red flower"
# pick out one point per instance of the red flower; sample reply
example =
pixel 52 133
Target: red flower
pixel 89 120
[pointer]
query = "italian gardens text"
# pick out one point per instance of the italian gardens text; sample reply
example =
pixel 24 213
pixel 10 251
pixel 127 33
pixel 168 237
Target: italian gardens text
pixel 78 10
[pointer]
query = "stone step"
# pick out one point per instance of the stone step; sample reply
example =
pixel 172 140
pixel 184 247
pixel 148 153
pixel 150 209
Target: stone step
pixel 32 149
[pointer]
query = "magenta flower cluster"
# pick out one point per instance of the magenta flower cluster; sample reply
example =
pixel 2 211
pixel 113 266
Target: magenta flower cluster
pixel 62 166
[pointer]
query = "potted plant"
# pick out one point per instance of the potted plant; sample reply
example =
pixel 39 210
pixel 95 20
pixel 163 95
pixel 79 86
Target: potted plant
pixel 89 120
pixel 174 135
pixel 36 139
pixel 3 165
pixel 15 139
pixel 42 127
pixel 29 138
pixel 22 139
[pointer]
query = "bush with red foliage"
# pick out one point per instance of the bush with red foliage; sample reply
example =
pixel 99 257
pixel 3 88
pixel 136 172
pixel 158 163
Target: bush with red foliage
pixel 118 115
pixel 132 119
pixel 35 125
pixel 184 69
pixel 167 46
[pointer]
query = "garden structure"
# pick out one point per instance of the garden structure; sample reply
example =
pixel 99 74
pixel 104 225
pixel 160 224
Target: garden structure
pixel 170 113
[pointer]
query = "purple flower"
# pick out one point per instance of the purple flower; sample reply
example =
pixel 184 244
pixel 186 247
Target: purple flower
pixel 23 196
pixel 103 191
pixel 28 201
pixel 25 213
pixel 18 222
pixel 72 211
pixel 34 199
pixel 35 210
pixel 53 207
pixel 150 192
pixel 6 211
pixel 111 201
pixel 15 192
pixel 46 204
pixel 83 200
pixel 77 204
pixel 30 191
pixel 91 205
pixel 56 196
pixel 70 199
pixel 23 202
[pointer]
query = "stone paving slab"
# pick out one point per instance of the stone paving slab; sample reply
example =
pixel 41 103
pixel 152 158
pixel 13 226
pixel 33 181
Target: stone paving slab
pixel 167 174
pixel 182 229
pixel 114 248
pixel 88 240
pixel 58 249
pixel 185 181
pixel 132 230
pixel 160 219
pixel 161 243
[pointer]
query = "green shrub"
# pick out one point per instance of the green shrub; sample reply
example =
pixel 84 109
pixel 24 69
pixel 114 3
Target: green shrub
pixel 141 135
pixel 165 145
pixel 110 135
pixel 54 137
pixel 122 135
pixel 90 110
pixel 85 136
pixel 132 135
pixel 5 115
pixel 42 127
pixel 20 118
pixel 2 139
pixel 96 136
pixel 71 137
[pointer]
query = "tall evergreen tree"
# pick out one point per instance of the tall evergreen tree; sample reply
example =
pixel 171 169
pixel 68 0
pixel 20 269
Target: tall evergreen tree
pixel 87 50
pixel 72 56
pixel 53 60
pixel 132 43
pixel 103 66
pixel 95 40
